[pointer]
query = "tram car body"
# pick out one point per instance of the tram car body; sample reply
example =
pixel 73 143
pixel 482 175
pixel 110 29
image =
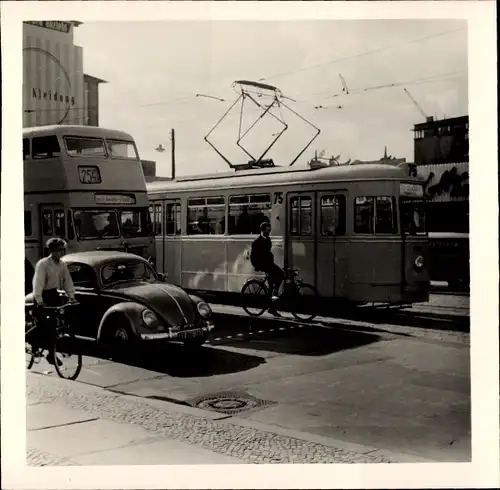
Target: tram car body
pixel 356 232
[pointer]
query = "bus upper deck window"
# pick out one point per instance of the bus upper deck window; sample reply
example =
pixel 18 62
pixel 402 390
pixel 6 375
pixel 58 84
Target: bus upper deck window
pixel 45 147
pixel 84 147
pixel 122 149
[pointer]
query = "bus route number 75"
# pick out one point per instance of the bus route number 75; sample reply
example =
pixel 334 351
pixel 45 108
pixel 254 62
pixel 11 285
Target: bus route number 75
pixel 278 198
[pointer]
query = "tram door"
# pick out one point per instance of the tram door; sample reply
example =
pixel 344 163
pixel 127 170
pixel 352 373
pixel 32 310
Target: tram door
pixel 300 244
pixel 331 249
pixel 52 224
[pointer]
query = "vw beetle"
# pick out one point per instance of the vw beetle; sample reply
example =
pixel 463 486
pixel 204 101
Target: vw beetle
pixel 123 302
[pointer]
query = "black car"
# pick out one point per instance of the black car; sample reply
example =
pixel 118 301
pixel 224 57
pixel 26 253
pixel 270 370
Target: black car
pixel 123 301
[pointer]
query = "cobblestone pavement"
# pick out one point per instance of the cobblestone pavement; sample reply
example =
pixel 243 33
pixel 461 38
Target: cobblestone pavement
pixel 248 444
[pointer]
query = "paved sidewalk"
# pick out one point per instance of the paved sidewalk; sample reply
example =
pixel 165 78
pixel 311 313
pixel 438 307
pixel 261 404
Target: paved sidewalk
pixel 70 423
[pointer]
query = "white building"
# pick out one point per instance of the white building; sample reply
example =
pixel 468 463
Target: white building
pixel 54 85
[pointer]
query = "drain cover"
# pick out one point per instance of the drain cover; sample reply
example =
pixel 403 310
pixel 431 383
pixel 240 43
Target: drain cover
pixel 229 402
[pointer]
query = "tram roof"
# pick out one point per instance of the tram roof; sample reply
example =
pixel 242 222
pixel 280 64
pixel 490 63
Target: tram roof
pixel 283 175
pixel 77 130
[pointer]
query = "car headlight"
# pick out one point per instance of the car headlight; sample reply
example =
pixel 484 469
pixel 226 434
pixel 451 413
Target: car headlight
pixel 419 263
pixel 149 318
pixel 204 310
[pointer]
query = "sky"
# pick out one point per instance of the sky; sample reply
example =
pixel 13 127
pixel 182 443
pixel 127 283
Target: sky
pixel 156 69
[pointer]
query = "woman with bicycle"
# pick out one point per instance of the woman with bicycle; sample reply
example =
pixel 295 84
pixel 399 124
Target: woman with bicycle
pixel 51 274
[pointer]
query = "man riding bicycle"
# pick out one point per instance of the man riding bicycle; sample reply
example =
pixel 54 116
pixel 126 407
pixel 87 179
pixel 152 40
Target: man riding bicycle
pixel 263 261
pixel 51 274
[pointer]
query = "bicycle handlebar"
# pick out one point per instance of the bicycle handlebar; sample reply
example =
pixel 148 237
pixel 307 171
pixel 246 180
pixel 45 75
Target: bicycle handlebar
pixel 65 305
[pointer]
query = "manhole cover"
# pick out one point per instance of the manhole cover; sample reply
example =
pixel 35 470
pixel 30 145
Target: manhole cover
pixel 229 402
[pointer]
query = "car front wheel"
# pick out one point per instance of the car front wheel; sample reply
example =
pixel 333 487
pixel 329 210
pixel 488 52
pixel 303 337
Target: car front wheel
pixel 119 342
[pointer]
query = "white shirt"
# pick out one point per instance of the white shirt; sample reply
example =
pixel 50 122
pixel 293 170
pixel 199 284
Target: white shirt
pixel 50 274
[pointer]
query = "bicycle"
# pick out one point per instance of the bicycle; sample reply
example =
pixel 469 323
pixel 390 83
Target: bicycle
pixel 65 344
pixel 295 293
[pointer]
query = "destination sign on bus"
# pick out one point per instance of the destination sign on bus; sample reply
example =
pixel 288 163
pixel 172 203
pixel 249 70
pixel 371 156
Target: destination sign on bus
pixel 114 199
pixel 411 190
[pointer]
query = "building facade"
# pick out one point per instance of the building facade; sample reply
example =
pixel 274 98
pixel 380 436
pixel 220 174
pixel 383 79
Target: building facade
pixel 442 141
pixel 55 88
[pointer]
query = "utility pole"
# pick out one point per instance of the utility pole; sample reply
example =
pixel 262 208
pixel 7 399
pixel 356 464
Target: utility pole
pixel 173 152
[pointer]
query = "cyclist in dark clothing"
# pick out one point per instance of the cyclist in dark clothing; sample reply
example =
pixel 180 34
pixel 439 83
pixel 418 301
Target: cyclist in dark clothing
pixel 263 261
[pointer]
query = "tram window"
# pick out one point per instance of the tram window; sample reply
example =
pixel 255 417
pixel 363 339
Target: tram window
pixel 385 219
pixel 374 215
pixel 71 229
pixel 173 219
pixel 247 213
pixel 47 223
pixel 206 216
pixel 59 229
pixel 28 228
pixel 26 148
pixel 45 147
pixel 301 216
pixel 333 215
pixel 158 219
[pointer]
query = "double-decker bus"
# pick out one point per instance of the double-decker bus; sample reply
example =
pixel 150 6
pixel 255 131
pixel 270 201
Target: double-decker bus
pixel 356 232
pixel 84 184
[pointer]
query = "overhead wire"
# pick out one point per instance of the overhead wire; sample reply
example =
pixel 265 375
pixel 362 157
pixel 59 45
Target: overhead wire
pixel 359 55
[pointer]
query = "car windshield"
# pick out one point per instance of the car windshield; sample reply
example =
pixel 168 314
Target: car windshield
pixel 96 223
pixel 135 222
pixel 126 272
pixel 413 216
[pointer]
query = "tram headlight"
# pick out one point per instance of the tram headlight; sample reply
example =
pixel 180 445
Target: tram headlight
pixel 419 263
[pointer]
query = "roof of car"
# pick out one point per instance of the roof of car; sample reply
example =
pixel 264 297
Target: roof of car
pixel 100 257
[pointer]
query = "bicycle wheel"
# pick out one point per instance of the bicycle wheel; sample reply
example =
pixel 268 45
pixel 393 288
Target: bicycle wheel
pixel 304 302
pixel 255 297
pixel 67 356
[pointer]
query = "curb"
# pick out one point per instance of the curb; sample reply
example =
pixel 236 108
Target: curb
pixel 172 407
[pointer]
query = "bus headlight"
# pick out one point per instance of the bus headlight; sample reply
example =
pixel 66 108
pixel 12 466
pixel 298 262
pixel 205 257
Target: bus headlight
pixel 419 263
pixel 204 310
pixel 149 318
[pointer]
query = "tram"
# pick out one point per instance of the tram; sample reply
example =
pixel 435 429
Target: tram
pixel 356 232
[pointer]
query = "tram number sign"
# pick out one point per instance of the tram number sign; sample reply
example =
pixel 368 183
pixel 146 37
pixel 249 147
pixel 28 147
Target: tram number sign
pixel 278 198
pixel 89 175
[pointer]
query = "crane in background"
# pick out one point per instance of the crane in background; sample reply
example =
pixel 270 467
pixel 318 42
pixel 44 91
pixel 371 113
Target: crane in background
pixel 427 118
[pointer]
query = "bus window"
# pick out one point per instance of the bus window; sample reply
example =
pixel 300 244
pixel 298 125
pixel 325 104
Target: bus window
pixel 173 219
pixel 333 215
pixel 47 223
pixel 96 223
pixel 385 215
pixel 135 223
pixel 45 147
pixel 71 229
pixel 59 223
pixel 77 147
pixel 26 148
pixel 301 216
pixel 122 149
pixel 246 213
pixel 28 228
pixel 206 216
pixel 374 215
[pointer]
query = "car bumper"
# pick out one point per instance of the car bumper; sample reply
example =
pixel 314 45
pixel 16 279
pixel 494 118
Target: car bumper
pixel 179 335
